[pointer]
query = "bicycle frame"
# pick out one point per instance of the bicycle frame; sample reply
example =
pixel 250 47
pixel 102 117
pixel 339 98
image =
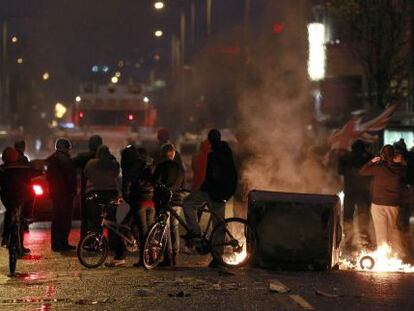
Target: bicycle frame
pixel 209 223
pixel 114 227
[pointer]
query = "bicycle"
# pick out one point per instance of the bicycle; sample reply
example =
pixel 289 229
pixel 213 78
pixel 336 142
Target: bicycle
pixel 93 248
pixel 14 241
pixel 231 242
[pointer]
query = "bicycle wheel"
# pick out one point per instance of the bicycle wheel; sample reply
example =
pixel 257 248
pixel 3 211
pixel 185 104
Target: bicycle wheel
pixel 92 250
pixel 233 242
pixel 154 246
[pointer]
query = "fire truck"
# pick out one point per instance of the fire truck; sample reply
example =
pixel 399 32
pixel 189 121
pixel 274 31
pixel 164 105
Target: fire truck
pixel 121 114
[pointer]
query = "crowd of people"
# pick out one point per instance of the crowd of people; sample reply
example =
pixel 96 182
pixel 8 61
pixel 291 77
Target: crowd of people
pixel 214 182
pixel 378 189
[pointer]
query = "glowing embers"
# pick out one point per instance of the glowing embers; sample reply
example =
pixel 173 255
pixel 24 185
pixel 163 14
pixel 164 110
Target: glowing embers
pixel 381 260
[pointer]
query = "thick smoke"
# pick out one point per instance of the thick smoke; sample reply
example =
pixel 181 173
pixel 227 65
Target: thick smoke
pixel 276 113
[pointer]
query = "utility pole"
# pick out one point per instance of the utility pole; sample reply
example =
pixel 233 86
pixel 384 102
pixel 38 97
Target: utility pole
pixel 208 17
pixel 182 35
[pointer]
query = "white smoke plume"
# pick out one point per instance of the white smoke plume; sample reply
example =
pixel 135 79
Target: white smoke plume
pixel 283 153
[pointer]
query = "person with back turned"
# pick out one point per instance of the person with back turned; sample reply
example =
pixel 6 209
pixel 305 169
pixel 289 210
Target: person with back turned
pixel 387 189
pixel 61 177
pixel 80 162
pixel 357 195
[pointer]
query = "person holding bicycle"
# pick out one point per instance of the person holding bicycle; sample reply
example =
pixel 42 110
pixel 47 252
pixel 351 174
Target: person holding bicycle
pixel 219 185
pixel 102 173
pixel 15 178
pixel 137 191
pixel 170 174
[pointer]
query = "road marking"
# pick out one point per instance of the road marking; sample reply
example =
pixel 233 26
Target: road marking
pixel 302 302
pixel 278 287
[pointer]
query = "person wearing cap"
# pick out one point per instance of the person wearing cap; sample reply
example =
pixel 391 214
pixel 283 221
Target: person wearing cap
pixel 80 161
pixel 61 177
pixel 15 178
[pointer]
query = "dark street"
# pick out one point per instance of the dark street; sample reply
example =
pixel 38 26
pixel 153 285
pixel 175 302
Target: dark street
pixel 56 281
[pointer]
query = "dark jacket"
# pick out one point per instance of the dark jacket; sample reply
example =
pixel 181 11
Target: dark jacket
pixel 348 166
pixel 170 174
pixel 388 182
pixel 61 175
pixel 22 158
pixel 136 182
pixel 14 183
pixel 80 162
pixel 221 174
pixel 102 172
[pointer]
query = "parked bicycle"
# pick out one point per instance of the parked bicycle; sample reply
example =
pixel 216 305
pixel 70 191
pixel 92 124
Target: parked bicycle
pixel 93 248
pixel 231 241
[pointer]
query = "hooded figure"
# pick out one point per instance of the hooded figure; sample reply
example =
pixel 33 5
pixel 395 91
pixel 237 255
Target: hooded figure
pixel 219 185
pixel 61 177
pixel 80 162
pixel 102 172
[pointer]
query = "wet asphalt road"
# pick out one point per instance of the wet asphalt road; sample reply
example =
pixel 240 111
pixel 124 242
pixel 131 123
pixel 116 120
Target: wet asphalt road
pixel 56 281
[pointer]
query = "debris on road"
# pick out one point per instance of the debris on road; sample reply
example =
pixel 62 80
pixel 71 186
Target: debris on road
pixel 180 294
pixel 277 287
pixel 144 292
pixel 325 294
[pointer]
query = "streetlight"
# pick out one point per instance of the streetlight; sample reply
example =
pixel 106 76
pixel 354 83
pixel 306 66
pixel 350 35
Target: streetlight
pixel 117 74
pixel 146 99
pixel 158 33
pixel 78 99
pixel 60 110
pixel 45 76
pixel 114 79
pixel 19 60
pixel 14 39
pixel 159 5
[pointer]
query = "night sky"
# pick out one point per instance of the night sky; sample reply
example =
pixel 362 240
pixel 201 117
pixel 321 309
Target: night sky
pixel 68 37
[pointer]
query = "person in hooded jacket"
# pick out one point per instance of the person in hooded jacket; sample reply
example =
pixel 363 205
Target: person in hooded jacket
pixel 61 177
pixel 137 191
pixel 102 174
pixel 170 174
pixel 219 185
pixel 387 190
pixel 15 179
pixel 80 162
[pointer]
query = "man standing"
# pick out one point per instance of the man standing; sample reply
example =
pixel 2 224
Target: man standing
pixel 219 184
pixel 61 177
pixel 80 162
pixel 387 190
pixel 357 195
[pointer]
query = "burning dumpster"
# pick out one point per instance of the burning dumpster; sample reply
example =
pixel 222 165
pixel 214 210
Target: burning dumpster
pixel 294 230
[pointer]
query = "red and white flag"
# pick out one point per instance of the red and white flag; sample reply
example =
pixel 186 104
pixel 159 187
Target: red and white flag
pixel 356 130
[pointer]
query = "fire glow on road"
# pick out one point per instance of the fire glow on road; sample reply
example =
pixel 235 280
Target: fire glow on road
pixel 384 260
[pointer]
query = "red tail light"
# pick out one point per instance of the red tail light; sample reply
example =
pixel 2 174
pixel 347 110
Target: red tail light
pixel 38 190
